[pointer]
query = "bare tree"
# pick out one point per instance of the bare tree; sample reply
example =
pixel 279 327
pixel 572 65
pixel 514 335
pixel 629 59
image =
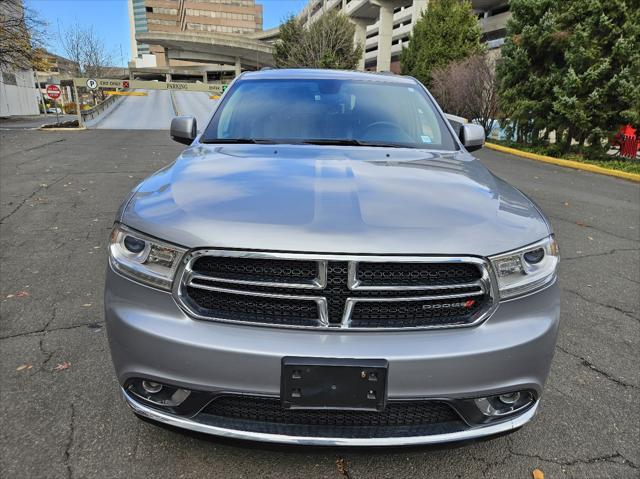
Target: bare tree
pixel 85 48
pixel 22 35
pixel 468 88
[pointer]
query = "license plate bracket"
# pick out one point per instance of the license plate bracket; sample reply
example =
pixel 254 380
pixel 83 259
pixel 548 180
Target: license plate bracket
pixel 334 383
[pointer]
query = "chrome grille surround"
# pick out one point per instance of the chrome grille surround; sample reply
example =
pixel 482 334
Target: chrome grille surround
pixel 186 277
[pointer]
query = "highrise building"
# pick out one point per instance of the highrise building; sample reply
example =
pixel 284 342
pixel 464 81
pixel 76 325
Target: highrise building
pixel 239 17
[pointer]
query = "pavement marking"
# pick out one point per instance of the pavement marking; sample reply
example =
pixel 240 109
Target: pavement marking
pixel 566 163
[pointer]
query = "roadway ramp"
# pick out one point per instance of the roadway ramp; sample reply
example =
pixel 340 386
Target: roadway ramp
pixel 154 111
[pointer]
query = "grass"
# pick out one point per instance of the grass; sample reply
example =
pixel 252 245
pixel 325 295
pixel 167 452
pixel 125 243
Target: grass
pixel 604 161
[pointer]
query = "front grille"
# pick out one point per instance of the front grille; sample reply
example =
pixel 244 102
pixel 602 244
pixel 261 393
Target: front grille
pixel 412 274
pixel 266 414
pixel 253 269
pixel 387 293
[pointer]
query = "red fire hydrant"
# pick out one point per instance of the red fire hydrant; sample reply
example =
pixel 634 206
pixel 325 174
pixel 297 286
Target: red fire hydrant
pixel 628 141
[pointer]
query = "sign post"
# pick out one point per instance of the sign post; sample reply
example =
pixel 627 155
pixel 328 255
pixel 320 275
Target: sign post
pixel 53 92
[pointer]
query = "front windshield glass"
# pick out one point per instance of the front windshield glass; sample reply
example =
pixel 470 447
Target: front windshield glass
pixel 328 111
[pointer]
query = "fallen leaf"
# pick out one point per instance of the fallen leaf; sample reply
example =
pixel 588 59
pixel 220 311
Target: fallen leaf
pixel 22 294
pixel 566 203
pixel 87 305
pixel 341 466
pixel 581 223
pixel 22 367
pixel 62 366
pixel 590 238
pixel 10 296
pixel 537 474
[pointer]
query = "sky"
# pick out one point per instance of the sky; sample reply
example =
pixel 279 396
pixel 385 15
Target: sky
pixel 110 20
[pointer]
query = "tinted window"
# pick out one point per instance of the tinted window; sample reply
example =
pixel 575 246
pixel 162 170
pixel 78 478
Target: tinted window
pixel 302 110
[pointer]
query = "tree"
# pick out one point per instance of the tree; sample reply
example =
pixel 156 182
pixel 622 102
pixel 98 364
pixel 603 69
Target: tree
pixel 571 67
pixel 22 35
pixel 468 88
pixel 447 31
pixel 83 47
pixel 326 43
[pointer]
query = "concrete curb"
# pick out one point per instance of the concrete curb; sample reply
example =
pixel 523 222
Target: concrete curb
pixel 566 163
pixel 81 128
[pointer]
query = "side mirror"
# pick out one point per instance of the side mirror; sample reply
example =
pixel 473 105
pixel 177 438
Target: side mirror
pixel 184 129
pixel 472 136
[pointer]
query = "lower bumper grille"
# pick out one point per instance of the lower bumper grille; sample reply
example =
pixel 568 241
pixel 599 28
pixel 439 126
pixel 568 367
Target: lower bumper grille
pixel 294 290
pixel 266 415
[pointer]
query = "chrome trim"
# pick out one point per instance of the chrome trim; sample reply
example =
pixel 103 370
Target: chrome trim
pixel 487 284
pixel 351 303
pixel 193 425
pixel 321 302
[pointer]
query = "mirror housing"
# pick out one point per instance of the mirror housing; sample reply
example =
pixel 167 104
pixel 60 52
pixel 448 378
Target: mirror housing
pixel 472 136
pixel 184 129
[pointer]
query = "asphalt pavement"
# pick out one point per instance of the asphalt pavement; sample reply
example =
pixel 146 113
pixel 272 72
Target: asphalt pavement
pixel 62 416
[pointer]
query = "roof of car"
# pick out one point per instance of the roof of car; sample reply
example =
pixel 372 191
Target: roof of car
pixel 313 74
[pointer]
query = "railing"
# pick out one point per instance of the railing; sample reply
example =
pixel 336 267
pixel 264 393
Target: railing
pixel 98 109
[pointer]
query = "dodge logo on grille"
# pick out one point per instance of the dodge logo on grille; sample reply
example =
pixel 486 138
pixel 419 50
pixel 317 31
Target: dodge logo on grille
pixel 467 304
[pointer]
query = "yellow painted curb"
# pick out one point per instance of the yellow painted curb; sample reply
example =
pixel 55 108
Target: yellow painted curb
pixel 127 93
pixel 566 163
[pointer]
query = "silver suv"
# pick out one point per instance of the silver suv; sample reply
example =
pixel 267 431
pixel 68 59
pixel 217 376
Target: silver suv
pixel 327 264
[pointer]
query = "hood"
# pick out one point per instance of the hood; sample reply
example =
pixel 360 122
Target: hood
pixel 333 199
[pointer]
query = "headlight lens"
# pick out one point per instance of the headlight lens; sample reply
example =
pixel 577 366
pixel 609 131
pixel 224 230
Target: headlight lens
pixel 142 258
pixel 527 269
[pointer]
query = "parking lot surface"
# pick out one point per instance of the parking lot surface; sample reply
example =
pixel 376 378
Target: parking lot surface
pixel 62 416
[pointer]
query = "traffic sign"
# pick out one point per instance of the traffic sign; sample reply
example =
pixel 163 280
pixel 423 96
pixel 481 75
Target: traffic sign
pixel 53 92
pixel 92 84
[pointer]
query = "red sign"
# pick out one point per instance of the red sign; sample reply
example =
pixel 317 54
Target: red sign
pixel 53 92
pixel 125 84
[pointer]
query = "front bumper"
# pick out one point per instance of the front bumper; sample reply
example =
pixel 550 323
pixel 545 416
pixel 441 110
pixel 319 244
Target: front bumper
pixel 151 337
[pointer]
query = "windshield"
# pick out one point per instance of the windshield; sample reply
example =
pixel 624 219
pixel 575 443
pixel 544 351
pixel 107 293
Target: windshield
pixel 328 111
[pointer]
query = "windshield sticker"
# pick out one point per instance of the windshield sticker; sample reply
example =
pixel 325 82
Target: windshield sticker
pixel 426 139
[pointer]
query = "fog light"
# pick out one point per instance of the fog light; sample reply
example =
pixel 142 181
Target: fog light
pixel 157 393
pixel 504 404
pixel 511 398
pixel 151 387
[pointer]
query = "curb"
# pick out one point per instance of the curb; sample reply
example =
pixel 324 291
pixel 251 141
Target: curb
pixel 576 165
pixel 75 128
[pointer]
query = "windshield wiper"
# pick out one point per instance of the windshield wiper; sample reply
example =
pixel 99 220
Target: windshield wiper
pixel 352 142
pixel 240 141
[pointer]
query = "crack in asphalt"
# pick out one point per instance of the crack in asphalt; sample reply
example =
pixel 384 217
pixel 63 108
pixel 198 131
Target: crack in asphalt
pixel 594 255
pixel 558 218
pixel 69 445
pixel 591 460
pixel 11 153
pixel 44 332
pixel 588 364
pixel 31 195
pixel 629 314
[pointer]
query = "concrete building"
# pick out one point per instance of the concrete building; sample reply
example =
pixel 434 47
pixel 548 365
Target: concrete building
pixel 199 38
pixel 383 26
pixel 175 17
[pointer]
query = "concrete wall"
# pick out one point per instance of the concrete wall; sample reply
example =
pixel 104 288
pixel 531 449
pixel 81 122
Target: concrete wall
pixel 18 94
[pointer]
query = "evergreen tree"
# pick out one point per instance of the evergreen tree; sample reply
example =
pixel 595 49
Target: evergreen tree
pixel 572 67
pixel 447 31
pixel 326 43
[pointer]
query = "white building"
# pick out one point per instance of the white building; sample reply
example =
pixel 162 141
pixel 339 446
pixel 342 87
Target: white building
pixel 383 26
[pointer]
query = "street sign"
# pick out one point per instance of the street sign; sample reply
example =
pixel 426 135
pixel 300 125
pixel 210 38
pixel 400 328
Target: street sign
pixel 92 84
pixel 211 88
pixel 53 92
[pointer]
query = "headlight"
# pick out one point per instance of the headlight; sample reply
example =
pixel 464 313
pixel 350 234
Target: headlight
pixel 527 269
pixel 142 258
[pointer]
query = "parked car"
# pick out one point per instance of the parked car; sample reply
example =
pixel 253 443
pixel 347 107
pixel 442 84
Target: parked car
pixel 54 110
pixel 326 263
